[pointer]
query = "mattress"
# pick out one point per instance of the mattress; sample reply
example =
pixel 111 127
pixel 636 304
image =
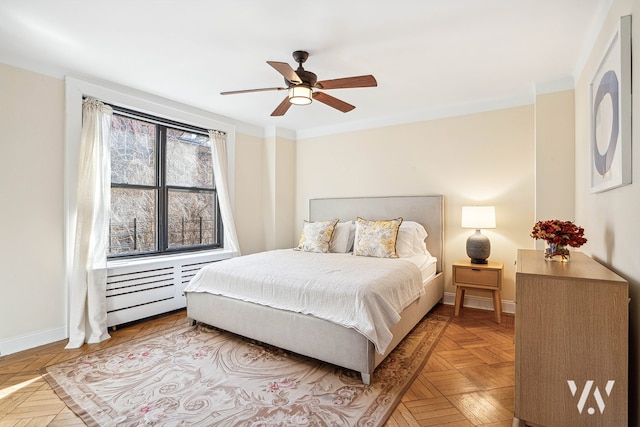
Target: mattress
pixel 427 265
pixel 366 294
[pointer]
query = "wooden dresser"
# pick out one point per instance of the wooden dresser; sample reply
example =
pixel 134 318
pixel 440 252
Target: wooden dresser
pixel 571 342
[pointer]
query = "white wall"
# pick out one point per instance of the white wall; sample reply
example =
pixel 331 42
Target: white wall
pixel 611 218
pixel 485 158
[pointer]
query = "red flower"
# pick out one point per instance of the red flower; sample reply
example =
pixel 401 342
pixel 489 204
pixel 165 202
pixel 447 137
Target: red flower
pixel 560 233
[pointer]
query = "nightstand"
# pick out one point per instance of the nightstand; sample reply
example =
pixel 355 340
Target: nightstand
pixel 487 277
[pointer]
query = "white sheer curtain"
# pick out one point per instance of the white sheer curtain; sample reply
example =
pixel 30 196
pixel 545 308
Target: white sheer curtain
pixel 220 174
pixel 87 299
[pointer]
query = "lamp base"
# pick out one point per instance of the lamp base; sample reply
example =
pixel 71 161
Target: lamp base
pixel 478 248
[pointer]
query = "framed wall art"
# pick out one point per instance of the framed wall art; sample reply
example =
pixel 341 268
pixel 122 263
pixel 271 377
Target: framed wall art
pixel 611 113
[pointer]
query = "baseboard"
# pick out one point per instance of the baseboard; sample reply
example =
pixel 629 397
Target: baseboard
pixel 14 345
pixel 482 303
pixel 26 342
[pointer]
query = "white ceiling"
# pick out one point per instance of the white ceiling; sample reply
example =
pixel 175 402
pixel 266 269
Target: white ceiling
pixel 430 57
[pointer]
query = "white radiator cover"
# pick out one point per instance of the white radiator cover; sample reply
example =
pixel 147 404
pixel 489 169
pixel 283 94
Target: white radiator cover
pixel 146 287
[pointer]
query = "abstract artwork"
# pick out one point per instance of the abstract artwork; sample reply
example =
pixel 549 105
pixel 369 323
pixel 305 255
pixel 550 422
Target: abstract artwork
pixel 611 113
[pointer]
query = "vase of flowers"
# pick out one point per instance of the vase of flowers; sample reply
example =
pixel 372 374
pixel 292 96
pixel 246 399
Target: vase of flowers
pixel 558 235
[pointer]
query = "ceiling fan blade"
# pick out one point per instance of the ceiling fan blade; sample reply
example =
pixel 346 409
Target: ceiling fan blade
pixel 333 102
pixel 233 92
pixel 286 70
pixel 348 82
pixel 282 107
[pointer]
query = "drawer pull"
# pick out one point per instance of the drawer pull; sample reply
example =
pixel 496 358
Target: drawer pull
pixel 475 269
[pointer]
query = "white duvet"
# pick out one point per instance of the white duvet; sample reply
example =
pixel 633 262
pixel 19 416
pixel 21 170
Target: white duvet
pixel 366 294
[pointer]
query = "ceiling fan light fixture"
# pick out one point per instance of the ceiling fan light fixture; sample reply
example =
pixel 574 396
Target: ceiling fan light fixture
pixel 300 95
pixel 300 84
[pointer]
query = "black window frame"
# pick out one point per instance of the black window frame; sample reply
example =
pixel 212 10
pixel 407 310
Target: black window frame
pixel 162 189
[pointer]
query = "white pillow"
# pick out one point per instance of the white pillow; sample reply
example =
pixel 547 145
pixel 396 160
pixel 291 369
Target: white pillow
pixel 411 237
pixel 343 236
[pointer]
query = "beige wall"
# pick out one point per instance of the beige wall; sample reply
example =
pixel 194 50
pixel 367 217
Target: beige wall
pixel 496 157
pixel 481 158
pixel 33 292
pixel 32 295
pixel 485 158
pixel 249 173
pixel 278 184
pixel 554 157
pixel 610 218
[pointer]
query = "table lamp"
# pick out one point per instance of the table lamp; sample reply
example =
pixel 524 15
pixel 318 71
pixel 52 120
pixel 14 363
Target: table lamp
pixel 478 217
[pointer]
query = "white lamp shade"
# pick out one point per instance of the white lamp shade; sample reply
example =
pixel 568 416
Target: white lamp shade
pixel 300 95
pixel 478 217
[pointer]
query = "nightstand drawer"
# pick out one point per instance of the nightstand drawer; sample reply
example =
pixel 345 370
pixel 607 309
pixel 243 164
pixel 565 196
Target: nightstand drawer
pixel 477 276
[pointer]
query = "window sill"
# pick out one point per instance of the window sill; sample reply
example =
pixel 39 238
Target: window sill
pixel 212 255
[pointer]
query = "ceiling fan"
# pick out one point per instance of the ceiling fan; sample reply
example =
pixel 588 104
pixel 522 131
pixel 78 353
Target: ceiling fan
pixel 300 84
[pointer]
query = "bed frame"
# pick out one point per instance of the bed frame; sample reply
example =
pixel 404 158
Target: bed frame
pixel 318 338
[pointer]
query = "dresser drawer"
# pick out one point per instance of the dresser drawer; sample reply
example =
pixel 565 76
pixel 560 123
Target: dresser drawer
pixel 476 276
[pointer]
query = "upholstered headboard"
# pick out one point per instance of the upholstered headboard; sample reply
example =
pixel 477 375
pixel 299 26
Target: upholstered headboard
pixel 426 210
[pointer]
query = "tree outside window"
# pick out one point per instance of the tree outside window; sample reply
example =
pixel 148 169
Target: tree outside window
pixel 163 196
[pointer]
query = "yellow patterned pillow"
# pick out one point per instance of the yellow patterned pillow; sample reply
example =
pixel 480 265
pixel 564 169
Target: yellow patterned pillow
pixel 376 238
pixel 316 236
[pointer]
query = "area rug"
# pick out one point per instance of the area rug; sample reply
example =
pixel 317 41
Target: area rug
pixel 202 376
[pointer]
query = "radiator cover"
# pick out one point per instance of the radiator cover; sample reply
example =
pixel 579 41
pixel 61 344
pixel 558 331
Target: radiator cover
pixel 143 288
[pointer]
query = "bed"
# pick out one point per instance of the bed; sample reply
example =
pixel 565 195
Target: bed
pixel 303 330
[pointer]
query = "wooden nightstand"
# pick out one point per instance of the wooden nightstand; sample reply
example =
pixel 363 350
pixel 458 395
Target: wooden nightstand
pixel 486 277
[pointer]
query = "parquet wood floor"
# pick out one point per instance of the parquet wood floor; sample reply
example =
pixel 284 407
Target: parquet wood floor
pixel 469 377
pixel 468 380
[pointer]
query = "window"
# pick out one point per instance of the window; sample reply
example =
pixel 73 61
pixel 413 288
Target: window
pixel 163 198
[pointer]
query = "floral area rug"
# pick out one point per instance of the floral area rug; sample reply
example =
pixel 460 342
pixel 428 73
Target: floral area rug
pixel 201 376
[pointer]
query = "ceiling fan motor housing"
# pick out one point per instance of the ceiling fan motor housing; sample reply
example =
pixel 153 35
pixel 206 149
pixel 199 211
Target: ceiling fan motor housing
pixel 308 78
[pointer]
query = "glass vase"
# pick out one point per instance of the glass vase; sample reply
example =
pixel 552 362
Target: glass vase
pixel 555 252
